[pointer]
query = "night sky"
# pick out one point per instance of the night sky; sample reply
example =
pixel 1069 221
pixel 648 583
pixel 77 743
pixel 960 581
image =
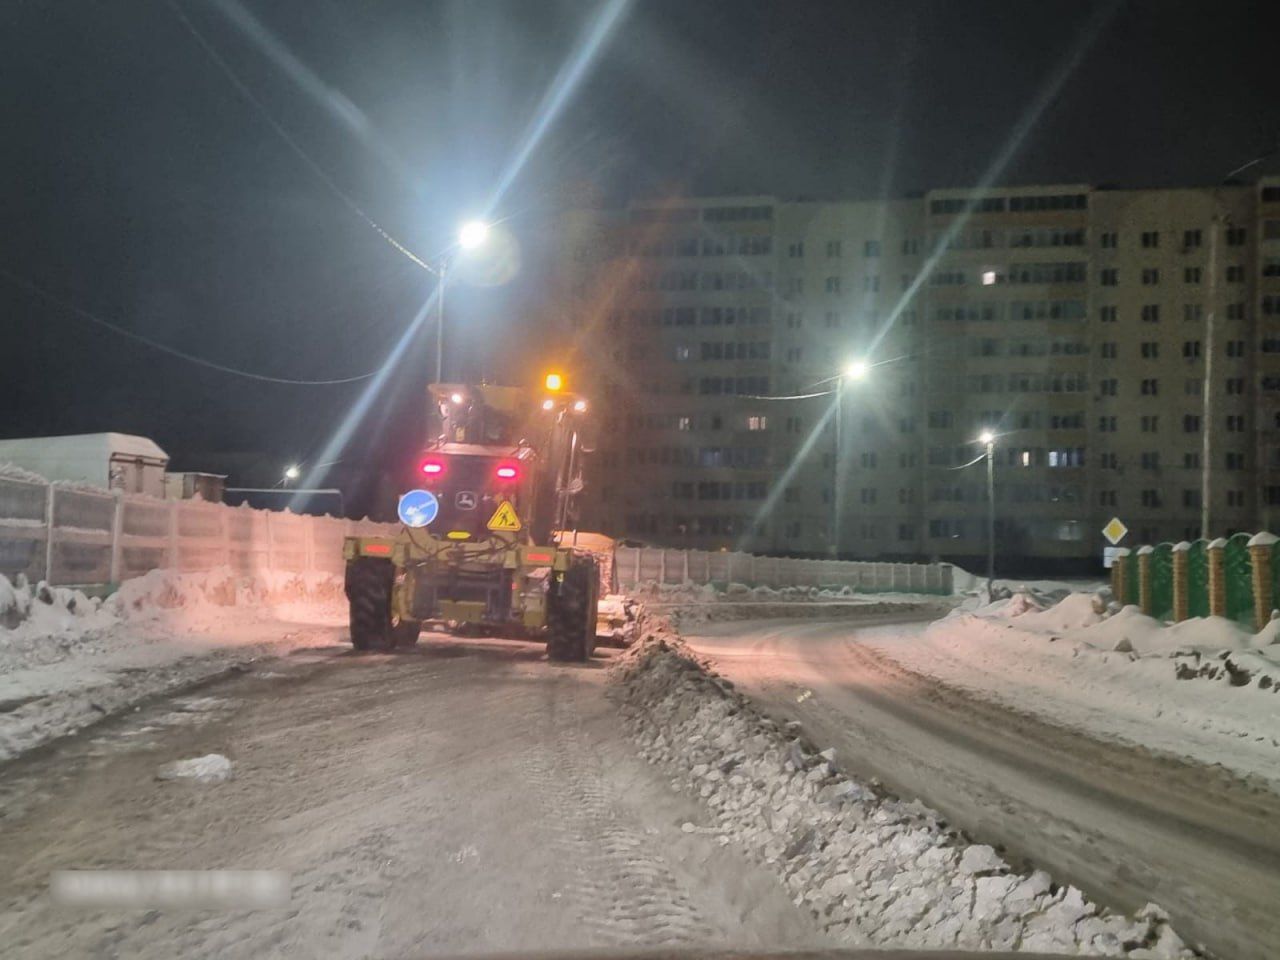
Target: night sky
pixel 139 184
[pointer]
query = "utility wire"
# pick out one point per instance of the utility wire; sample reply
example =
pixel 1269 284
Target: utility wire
pixel 288 139
pixel 163 348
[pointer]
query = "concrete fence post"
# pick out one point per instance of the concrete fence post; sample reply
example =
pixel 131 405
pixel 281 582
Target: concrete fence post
pixel 1181 600
pixel 1119 576
pixel 117 529
pixel 1260 547
pixel 48 533
pixel 686 566
pixel 172 547
pixel 1144 578
pixel 1217 578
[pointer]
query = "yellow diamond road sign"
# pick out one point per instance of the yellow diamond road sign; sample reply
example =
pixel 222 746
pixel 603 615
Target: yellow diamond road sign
pixel 504 518
pixel 1114 531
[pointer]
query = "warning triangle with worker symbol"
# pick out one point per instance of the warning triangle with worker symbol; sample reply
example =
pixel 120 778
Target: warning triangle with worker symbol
pixel 504 518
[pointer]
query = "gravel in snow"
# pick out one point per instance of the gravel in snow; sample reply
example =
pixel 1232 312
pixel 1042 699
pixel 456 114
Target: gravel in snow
pixel 880 870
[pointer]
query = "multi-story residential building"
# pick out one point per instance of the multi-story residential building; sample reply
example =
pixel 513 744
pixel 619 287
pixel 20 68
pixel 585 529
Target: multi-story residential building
pixel 1071 321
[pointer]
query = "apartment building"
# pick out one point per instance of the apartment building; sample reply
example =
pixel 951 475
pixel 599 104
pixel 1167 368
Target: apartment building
pixel 1071 321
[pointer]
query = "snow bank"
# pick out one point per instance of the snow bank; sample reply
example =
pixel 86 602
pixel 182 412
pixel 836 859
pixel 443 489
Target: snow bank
pixel 1120 675
pixel 864 863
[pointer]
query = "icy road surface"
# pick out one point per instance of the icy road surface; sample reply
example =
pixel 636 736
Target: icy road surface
pixel 465 797
pixel 1125 825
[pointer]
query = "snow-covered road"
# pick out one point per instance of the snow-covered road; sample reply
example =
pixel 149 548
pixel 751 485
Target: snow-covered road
pixel 1126 825
pixel 466 797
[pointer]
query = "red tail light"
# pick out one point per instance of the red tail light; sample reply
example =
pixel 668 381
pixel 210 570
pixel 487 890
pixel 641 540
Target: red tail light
pixel 507 471
pixel 433 468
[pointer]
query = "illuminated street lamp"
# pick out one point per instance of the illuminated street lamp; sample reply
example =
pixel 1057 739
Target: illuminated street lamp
pixel 856 370
pixel 471 236
pixel 292 472
pixel 988 439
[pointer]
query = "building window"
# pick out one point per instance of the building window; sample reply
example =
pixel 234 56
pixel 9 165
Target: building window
pixel 871 248
pixel 1190 239
pixel 1108 241
pixel 1150 387
pixel 1235 423
pixel 1190 274
pixel 1191 461
pixel 1191 349
pixel 1193 387
pixel 757 423
pixel 1107 350
pixel 1192 312
pixel 1236 236
pixel 1151 313
pixel 1234 460
pixel 1107 498
pixel 1235 311
pixel 1109 277
pixel 871 283
pixel 1149 460
pixel 795 249
pixel 833 248
pixel 1151 498
pixel 1150 276
pixel 1191 499
pixel 1150 349
pixel 1235 386
pixel 1190 423
pixel 1150 423
pixel 1150 239
pixel 1107 424
pixel 833 284
pixel 1235 498
pixel 1235 348
pixel 1108 387
pixel 1235 273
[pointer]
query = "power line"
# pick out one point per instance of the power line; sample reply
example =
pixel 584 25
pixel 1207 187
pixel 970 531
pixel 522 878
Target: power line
pixel 288 139
pixel 163 348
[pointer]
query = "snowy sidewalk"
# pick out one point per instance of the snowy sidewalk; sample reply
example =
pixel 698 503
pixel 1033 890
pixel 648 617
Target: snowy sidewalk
pixel 1205 688
pixel 67 660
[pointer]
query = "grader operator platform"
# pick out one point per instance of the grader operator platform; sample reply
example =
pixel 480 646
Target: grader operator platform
pixel 477 544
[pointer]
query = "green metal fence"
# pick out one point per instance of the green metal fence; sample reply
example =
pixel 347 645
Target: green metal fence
pixel 1162 581
pixel 1132 586
pixel 1237 569
pixel 1198 580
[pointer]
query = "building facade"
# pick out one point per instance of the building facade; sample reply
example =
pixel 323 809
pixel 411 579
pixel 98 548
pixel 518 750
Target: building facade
pixel 1071 321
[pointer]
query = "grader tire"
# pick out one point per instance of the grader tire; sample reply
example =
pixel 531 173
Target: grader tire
pixel 571 613
pixel 368 589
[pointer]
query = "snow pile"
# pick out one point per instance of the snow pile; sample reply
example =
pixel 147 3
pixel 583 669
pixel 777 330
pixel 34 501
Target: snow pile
pixel 46 609
pixel 211 768
pixel 866 864
pixel 616 619
pixel 652 592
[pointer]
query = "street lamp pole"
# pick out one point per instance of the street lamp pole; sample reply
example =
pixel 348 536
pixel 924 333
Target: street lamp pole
pixel 1210 354
pixel 471 235
pixel 854 370
pixel 989 439
pixel 440 286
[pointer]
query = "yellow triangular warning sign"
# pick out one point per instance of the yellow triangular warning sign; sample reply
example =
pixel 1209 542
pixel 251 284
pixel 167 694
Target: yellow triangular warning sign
pixel 504 518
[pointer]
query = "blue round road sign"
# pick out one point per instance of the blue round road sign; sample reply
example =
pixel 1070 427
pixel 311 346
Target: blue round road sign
pixel 418 508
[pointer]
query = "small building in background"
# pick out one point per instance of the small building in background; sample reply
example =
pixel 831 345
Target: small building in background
pixel 112 461
pixel 190 485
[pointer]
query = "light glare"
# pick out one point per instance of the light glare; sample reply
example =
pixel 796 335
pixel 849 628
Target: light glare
pixel 857 369
pixel 472 234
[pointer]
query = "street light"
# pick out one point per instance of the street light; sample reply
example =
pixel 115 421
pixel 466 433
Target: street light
pixel 471 235
pixel 854 371
pixel 988 439
pixel 291 472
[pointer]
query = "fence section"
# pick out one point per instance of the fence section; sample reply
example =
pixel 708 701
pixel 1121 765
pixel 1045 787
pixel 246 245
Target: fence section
pixel 77 536
pixel 636 565
pixel 1236 578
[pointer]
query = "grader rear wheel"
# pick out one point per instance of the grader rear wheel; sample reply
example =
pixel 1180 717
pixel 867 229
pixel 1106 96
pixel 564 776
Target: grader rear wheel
pixel 571 612
pixel 368 589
